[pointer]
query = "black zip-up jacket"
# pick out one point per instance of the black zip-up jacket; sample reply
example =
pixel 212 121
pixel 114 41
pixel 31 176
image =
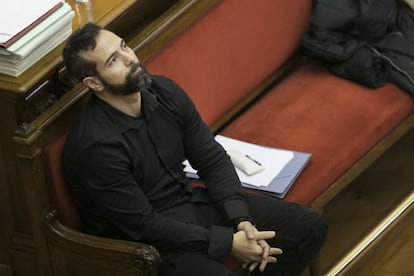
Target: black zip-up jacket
pixel 370 42
pixel 125 174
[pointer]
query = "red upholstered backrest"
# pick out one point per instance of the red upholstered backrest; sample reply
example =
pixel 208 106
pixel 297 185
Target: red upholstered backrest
pixel 68 212
pixel 227 53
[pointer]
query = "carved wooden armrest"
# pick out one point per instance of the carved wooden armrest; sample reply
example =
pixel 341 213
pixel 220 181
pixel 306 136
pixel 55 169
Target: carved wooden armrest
pixel 142 258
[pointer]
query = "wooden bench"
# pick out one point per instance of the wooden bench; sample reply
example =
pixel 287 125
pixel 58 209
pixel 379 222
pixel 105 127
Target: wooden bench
pixel 240 61
pixel 233 56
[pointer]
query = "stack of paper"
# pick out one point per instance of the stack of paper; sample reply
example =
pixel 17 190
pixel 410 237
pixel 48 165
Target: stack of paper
pixel 281 167
pixel 29 30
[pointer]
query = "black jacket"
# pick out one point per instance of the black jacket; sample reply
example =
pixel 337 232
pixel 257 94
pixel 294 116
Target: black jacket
pixel 370 42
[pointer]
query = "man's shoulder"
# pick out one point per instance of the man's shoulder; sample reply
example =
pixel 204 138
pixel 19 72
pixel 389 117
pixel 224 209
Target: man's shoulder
pixel 92 126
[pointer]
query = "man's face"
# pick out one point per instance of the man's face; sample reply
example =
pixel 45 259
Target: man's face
pixel 119 69
pixel 136 80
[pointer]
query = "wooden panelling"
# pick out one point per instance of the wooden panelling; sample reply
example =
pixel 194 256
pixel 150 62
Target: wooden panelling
pixel 25 98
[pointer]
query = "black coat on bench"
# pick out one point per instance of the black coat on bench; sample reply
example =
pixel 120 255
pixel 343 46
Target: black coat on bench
pixel 369 42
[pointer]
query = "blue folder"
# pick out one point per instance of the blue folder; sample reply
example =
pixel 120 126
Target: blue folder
pixel 281 184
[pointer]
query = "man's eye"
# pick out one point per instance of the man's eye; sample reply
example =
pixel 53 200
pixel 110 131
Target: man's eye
pixel 124 46
pixel 113 60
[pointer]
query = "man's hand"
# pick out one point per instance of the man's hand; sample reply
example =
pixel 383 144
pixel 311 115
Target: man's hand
pixel 260 238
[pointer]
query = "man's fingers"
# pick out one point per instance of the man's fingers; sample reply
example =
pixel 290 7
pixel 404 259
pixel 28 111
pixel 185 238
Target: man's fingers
pixel 266 249
pixel 271 259
pixel 247 227
pixel 275 251
pixel 264 263
pixel 250 232
pixel 265 235
pixel 253 266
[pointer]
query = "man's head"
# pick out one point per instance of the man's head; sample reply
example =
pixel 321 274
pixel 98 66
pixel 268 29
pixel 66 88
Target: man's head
pixel 103 61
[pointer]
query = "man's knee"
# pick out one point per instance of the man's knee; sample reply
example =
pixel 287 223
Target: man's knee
pixel 316 236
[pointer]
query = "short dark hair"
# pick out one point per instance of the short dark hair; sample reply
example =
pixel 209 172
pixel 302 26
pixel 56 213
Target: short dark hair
pixel 83 39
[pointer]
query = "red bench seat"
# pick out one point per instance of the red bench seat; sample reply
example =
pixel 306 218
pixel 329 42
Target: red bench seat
pixel 334 119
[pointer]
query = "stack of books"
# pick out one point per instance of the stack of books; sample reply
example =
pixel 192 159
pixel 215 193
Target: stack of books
pixel 29 30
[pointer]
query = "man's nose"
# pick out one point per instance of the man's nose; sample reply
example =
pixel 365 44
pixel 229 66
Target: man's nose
pixel 128 58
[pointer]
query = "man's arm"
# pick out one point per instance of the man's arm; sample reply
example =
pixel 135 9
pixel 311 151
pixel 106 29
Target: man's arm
pixel 216 169
pixel 122 202
pixel 210 159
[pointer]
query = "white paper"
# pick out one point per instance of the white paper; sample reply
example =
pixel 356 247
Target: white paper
pixel 16 15
pixel 273 160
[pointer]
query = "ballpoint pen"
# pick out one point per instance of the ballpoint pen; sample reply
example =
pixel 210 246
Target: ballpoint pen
pixel 252 159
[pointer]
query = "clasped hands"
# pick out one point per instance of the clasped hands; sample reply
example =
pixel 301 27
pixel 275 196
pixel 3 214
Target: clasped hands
pixel 250 246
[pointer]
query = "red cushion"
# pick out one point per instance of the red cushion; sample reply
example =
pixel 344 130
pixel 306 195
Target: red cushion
pixel 227 53
pixel 68 212
pixel 332 118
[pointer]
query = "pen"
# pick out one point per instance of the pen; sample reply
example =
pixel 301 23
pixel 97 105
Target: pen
pixel 255 161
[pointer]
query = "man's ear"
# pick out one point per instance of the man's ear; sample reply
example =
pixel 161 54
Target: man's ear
pixel 93 83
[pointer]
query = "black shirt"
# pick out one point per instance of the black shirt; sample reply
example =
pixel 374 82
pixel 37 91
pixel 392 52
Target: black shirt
pixel 125 173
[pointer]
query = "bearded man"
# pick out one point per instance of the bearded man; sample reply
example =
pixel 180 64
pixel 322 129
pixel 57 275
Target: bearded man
pixel 123 165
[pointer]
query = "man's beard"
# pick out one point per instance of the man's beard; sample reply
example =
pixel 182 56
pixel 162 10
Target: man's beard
pixel 133 83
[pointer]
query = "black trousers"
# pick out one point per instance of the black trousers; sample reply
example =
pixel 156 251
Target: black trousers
pixel 300 233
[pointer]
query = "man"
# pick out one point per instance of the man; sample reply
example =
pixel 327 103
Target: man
pixel 123 164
